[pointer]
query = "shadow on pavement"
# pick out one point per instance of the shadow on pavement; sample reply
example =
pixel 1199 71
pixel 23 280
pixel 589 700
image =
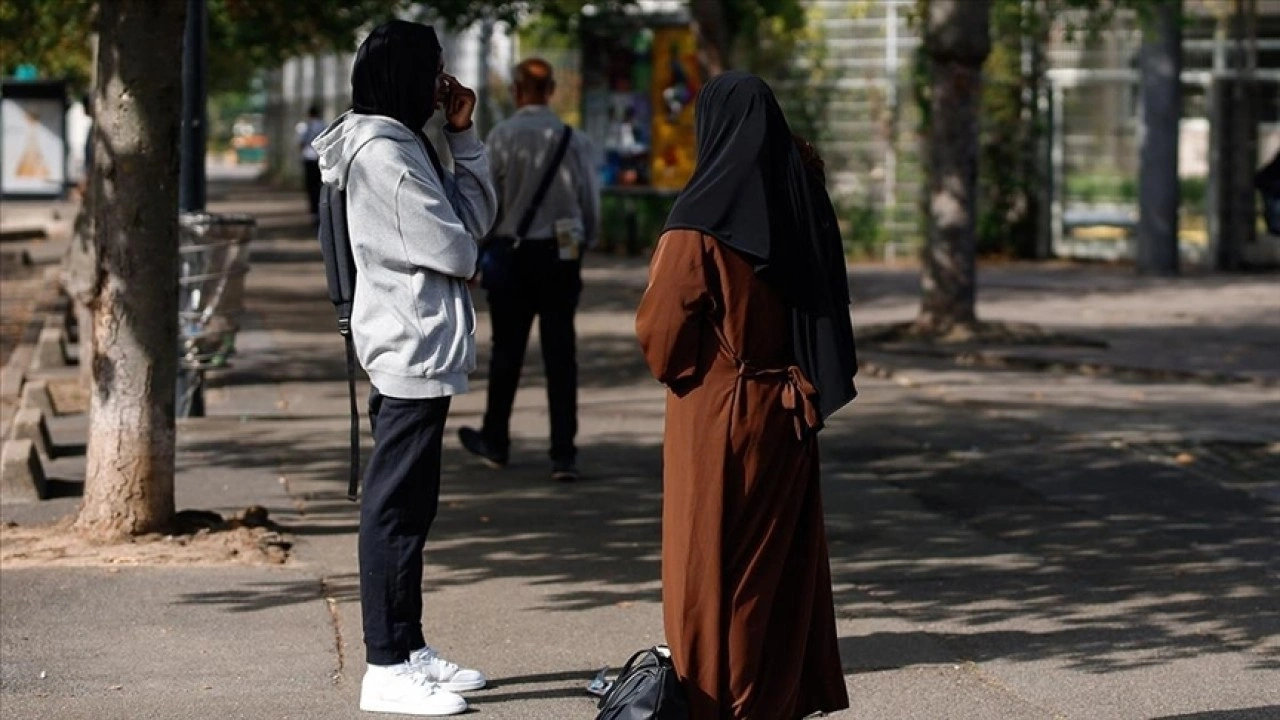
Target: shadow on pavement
pixel 252 597
pixel 599 536
pixel 1115 561
pixel 1256 713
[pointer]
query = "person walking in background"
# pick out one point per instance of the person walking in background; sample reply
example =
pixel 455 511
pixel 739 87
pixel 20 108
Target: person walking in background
pixel 308 131
pixel 413 235
pixel 746 321
pixel 1267 181
pixel 534 264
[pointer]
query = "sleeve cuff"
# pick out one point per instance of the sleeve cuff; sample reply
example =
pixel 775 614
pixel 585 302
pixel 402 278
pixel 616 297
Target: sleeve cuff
pixel 464 143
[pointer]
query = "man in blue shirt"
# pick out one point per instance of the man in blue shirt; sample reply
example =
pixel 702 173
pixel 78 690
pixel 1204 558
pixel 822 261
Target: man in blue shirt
pixel 546 266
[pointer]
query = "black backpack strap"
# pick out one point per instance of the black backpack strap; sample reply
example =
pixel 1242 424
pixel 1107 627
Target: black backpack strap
pixel 353 483
pixel 433 156
pixel 547 176
pixel 340 274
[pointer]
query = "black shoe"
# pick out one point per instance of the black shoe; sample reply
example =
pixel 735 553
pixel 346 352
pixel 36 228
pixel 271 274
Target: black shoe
pixel 474 442
pixel 564 470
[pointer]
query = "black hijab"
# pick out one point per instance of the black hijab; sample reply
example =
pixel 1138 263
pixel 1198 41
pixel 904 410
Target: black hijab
pixel 752 192
pixel 395 75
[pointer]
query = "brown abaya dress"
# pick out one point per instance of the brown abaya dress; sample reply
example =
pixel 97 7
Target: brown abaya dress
pixel 746 586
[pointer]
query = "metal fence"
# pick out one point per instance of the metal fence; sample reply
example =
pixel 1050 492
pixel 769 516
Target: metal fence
pixel 860 57
pixel 1094 122
pixel 1095 140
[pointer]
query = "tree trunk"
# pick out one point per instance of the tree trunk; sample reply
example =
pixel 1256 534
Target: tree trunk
pixel 1237 115
pixel 957 40
pixel 129 480
pixel 716 45
pixel 1158 189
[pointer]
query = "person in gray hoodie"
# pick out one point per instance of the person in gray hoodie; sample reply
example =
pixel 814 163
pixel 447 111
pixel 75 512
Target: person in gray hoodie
pixel 413 230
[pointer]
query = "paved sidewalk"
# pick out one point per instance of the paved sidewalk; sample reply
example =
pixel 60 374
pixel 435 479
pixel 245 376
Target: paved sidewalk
pixel 1005 544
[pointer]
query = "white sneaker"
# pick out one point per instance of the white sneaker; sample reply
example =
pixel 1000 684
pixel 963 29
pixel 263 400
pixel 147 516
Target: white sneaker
pixel 444 673
pixel 402 689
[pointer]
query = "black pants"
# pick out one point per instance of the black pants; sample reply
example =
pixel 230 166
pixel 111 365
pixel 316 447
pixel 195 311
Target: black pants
pixel 544 286
pixel 311 174
pixel 401 492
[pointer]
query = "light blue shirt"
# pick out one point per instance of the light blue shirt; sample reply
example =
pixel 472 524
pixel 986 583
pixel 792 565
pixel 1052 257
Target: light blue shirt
pixel 519 149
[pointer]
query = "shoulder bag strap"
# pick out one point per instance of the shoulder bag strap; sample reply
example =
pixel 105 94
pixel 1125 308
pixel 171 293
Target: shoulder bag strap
pixel 547 177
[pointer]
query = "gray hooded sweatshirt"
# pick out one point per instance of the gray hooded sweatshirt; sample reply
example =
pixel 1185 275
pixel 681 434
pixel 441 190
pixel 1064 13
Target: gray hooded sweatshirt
pixel 413 235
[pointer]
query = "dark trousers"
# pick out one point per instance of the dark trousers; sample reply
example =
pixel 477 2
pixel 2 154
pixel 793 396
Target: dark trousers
pixel 311 174
pixel 548 288
pixel 401 492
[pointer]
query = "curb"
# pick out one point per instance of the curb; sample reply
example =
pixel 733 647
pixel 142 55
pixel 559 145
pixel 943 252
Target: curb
pixel 16 257
pixel 17 233
pixel 24 433
pixel 51 345
pixel 29 424
pixel 35 394
pixel 22 476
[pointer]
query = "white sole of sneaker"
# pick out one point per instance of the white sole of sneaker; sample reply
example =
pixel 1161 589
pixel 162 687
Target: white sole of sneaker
pixel 462 686
pixel 403 708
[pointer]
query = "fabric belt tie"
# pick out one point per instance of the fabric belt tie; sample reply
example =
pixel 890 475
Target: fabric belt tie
pixel 798 395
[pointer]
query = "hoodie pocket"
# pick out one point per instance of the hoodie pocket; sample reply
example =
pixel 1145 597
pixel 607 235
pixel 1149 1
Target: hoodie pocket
pixel 420 292
pixel 446 321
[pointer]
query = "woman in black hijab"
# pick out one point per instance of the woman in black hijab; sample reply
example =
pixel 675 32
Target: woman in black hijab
pixel 413 230
pixel 746 321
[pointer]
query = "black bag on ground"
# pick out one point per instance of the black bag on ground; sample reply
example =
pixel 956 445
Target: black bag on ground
pixel 340 272
pixel 646 689
pixel 496 256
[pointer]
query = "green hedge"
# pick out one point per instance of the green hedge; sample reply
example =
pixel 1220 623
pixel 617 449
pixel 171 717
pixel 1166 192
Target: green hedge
pixel 1111 187
pixel 862 228
pixel 632 223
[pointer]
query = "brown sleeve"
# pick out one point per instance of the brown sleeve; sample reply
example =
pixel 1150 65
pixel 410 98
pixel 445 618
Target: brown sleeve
pixel 673 312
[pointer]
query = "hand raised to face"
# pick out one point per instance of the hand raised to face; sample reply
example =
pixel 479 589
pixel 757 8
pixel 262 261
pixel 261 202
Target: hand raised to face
pixel 457 101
